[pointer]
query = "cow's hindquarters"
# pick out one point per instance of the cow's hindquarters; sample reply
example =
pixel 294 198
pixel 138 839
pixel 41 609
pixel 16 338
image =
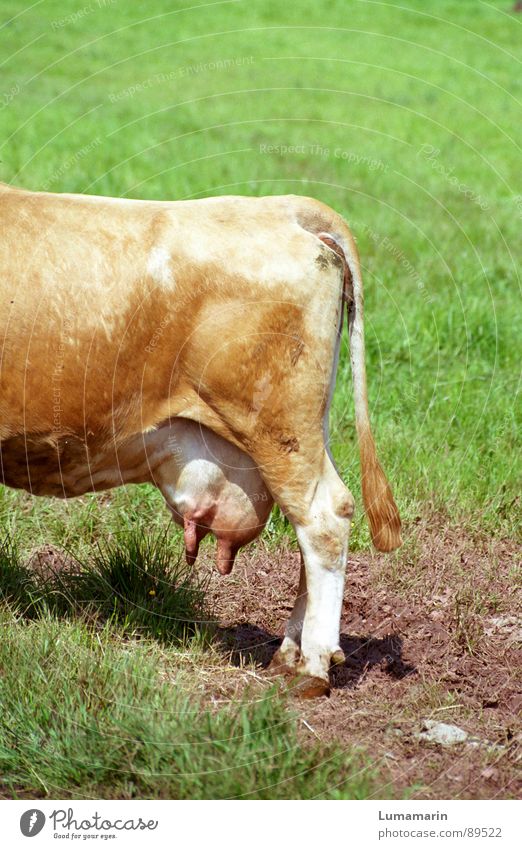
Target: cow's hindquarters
pixel 311 643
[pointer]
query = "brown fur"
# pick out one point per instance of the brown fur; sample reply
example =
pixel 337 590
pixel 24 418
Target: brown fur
pixel 96 350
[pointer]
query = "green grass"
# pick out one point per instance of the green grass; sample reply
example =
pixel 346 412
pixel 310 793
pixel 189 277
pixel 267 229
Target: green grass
pixel 405 118
pixel 83 716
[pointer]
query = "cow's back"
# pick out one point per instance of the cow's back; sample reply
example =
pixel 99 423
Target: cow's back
pixel 118 314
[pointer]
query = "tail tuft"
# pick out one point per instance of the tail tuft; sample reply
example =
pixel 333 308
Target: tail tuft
pixel 381 510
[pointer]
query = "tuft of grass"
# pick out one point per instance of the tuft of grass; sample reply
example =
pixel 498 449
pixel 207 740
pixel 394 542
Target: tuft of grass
pixel 139 581
pixel 18 586
pixel 85 716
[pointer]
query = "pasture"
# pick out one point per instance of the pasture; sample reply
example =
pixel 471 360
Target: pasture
pixel 125 675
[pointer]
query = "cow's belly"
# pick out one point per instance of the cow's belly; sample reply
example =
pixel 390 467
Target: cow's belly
pixel 67 467
pixel 210 485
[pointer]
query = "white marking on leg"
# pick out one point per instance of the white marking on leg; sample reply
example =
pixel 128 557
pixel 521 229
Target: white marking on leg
pixel 324 545
pixel 320 635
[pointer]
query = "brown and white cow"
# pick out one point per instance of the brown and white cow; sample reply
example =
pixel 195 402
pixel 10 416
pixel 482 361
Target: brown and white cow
pixel 119 316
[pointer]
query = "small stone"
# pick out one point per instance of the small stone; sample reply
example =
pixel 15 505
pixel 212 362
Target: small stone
pixel 442 733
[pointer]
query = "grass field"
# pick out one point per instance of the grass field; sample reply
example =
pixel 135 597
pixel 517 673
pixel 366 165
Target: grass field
pixel 405 118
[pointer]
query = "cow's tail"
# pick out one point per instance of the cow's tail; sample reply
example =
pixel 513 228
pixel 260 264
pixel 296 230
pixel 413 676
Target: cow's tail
pixel 379 504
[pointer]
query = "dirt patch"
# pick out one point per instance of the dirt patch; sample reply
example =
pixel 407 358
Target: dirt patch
pixel 48 561
pixel 430 633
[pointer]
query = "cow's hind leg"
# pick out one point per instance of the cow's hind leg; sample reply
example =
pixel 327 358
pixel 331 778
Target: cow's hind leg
pixel 270 384
pixel 323 538
pixel 287 656
pixel 322 525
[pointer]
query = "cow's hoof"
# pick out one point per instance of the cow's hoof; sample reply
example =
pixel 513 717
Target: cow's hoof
pixel 337 658
pixel 308 687
pixel 279 665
